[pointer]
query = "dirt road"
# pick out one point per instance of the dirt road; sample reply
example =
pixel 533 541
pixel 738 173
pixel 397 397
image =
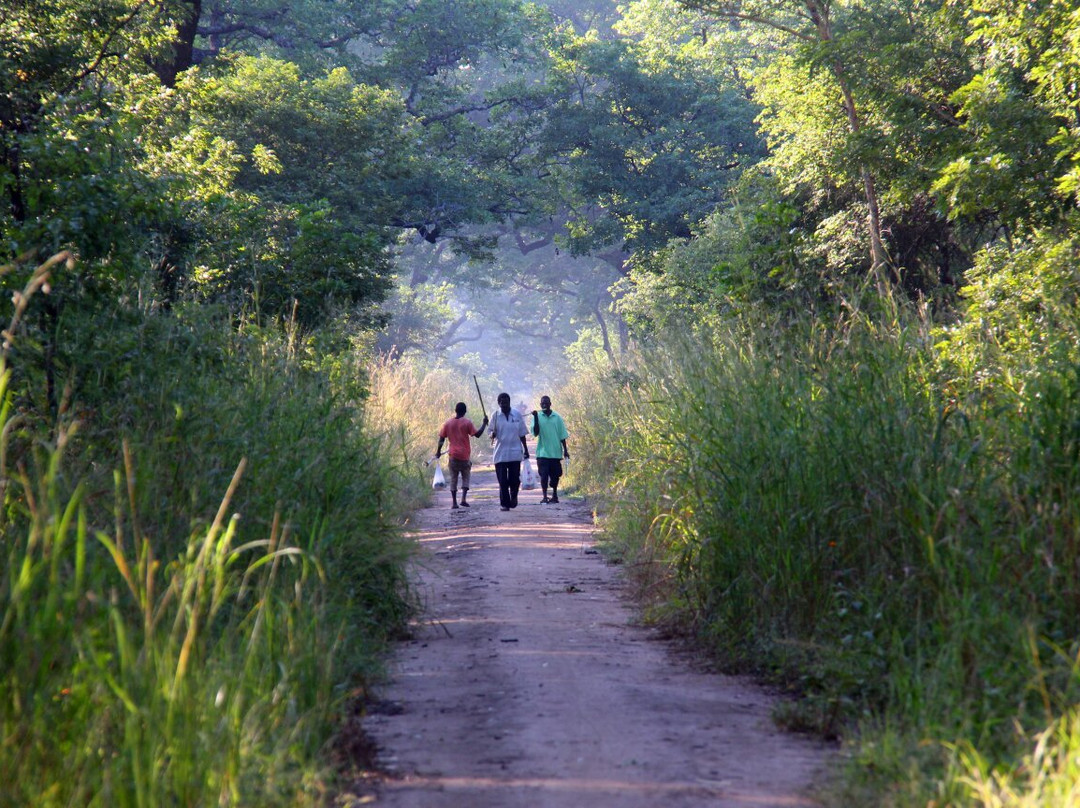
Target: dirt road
pixel 527 684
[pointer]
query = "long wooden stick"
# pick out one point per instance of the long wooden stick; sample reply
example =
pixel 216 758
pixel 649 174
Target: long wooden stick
pixel 482 409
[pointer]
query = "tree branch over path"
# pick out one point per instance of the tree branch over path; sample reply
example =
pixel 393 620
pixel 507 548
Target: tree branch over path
pixel 449 338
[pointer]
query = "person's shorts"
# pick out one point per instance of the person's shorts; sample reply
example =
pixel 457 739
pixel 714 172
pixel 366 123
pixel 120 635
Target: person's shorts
pixel 549 467
pixel 462 467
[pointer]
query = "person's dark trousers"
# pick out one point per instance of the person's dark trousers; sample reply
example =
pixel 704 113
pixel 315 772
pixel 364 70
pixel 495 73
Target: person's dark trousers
pixel 509 476
pixel 550 470
pixel 515 482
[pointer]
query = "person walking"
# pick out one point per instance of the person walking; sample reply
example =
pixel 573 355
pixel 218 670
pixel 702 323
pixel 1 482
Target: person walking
pixel 458 430
pixel 550 431
pixel 508 436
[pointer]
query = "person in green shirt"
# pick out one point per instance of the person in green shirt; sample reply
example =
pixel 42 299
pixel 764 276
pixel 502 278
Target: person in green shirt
pixel 550 432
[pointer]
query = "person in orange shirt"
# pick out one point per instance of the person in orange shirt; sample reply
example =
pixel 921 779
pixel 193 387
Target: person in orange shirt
pixel 457 431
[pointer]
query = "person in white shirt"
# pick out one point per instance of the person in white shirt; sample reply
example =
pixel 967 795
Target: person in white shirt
pixel 508 436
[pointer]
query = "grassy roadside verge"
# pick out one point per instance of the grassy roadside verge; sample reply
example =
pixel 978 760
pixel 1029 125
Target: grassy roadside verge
pixel 850 512
pixel 201 560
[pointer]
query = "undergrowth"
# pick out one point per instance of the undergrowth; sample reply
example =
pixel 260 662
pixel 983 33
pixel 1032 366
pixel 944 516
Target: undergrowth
pixel 202 559
pixel 838 509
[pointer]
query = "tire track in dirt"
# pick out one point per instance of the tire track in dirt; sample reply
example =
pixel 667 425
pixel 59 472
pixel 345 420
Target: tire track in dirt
pixel 526 684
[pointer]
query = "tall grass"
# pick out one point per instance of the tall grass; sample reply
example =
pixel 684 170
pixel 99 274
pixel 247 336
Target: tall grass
pixel 409 401
pixel 137 679
pixel 202 563
pixel 820 506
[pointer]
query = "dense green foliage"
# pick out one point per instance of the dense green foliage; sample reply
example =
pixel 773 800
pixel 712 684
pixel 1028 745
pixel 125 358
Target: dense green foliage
pixel 815 265
pixel 834 511
pixel 873 504
pixel 154 651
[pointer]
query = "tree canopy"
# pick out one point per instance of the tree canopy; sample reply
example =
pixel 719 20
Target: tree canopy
pixel 286 160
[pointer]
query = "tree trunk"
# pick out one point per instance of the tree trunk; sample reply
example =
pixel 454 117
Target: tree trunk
pixel 880 267
pixel 183 49
pixel 16 199
pixel 599 314
pixel 879 259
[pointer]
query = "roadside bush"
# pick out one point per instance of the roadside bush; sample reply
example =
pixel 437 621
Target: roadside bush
pixel 202 563
pixel 822 506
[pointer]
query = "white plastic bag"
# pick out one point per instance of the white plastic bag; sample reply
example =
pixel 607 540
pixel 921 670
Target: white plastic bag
pixel 439 481
pixel 528 476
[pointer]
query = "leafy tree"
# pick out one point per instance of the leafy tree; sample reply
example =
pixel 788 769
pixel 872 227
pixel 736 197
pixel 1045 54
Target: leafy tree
pixel 60 137
pixel 839 162
pixel 907 62
pixel 888 71
pixel 643 150
pixel 466 71
pixel 307 185
pixel 1013 178
pixel 1017 162
pixel 752 253
pixel 635 149
pixel 67 176
pixel 471 75
pixel 587 15
pixel 811 23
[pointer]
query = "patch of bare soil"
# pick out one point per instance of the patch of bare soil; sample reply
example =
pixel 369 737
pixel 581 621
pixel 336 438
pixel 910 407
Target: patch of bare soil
pixel 527 684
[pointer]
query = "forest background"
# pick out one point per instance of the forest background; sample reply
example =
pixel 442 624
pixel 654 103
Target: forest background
pixel 801 274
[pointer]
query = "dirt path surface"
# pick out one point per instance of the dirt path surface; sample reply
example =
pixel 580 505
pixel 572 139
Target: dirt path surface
pixel 528 685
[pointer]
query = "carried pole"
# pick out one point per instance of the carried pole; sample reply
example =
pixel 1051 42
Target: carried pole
pixel 482 409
